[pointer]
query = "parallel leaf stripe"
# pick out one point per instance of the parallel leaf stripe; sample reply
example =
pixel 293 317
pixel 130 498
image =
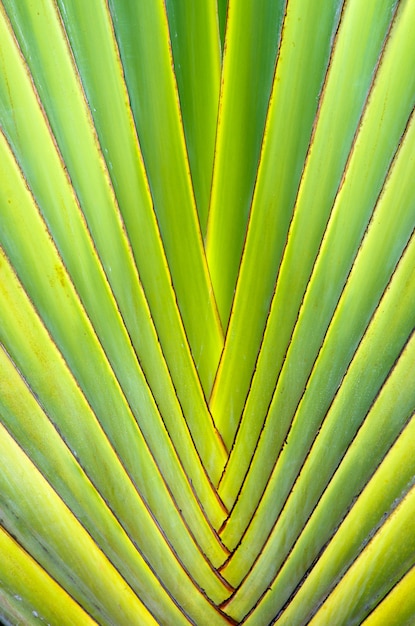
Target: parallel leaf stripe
pixel 310 544
pixel 365 453
pixel 289 287
pixel 262 144
pixel 397 303
pixel 368 568
pixel 341 243
pixel 70 484
pixel 278 178
pixel 135 309
pixel 348 326
pixel 162 142
pixel 249 63
pixel 286 470
pixel 308 490
pixel 124 160
pixel 195 26
pixel 40 442
pixel 331 570
pixel 101 385
pixel 67 549
pixel 398 605
pixel 63 401
pixel 336 439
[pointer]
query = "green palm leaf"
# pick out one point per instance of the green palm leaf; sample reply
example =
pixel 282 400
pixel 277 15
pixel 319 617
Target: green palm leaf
pixel 207 287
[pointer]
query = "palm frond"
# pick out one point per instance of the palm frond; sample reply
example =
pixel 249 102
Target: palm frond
pixel 207 287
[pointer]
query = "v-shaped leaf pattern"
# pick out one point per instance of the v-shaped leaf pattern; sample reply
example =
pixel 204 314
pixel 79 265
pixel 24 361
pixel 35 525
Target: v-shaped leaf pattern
pixel 207 287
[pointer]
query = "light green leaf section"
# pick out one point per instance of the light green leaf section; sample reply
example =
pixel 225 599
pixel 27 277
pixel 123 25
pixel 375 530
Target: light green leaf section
pixel 251 47
pixel 342 102
pixel 398 606
pixel 36 357
pixel 335 436
pixel 28 594
pixel 382 426
pixel 375 571
pixel 30 137
pixel 143 37
pixel 303 58
pixel 196 51
pixel 393 220
pixel 29 426
pixel 66 550
pixel 395 317
pixel 380 497
pixel 40 268
pixel 330 368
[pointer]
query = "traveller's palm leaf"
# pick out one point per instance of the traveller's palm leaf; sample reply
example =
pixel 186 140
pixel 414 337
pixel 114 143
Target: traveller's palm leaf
pixel 207 277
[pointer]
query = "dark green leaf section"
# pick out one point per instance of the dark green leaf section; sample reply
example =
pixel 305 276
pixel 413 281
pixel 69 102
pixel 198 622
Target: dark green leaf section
pixel 222 8
pixel 197 65
pixel 142 33
pixel 253 34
